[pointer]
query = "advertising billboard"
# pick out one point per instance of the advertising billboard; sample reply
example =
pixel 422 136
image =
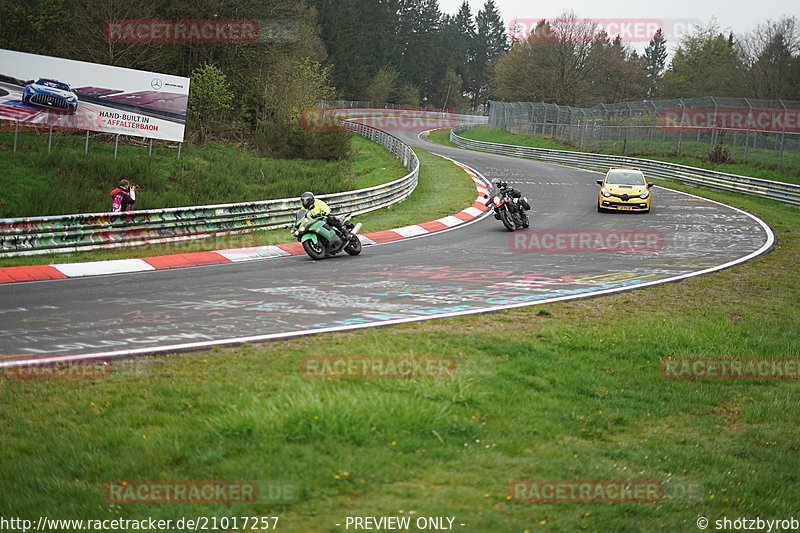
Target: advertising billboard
pixel 62 93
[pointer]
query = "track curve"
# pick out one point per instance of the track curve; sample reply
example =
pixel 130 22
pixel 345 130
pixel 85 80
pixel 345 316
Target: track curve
pixel 469 269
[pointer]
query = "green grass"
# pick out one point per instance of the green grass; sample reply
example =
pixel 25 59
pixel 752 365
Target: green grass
pixel 443 189
pixel 441 137
pixel 693 153
pixel 37 183
pixel 549 392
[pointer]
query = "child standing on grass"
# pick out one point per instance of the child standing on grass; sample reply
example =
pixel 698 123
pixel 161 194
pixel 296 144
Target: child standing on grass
pixel 124 196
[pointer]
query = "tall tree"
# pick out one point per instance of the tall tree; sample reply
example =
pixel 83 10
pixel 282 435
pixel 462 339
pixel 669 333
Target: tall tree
pixel 617 73
pixel 464 31
pixel 705 64
pixel 771 53
pixel 655 55
pixel 360 36
pixel 491 40
pixel 454 53
pixel 210 97
pixel 382 87
pixel 569 61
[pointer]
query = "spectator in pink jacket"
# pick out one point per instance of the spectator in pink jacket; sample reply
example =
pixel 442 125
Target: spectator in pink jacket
pixel 123 197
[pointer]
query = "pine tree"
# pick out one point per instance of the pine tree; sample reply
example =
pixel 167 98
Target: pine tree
pixel 656 59
pixel 491 40
pixel 462 45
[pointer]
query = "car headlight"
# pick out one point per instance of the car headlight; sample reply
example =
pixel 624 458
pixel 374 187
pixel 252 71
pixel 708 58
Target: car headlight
pixel 71 98
pixel 29 89
pixel 496 199
pixel 644 195
pixel 605 193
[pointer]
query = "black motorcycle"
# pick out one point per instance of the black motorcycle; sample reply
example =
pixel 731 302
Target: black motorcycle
pixel 511 211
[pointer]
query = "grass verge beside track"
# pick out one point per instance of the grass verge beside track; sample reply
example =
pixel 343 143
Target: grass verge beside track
pixel 790 173
pixel 441 137
pixel 443 189
pixel 37 183
pixel 558 391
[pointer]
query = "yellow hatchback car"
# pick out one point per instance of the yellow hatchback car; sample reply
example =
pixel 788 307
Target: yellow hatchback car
pixel 624 189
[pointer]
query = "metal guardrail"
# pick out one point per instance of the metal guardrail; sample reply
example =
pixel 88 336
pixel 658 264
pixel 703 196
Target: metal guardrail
pixel 68 233
pixel 787 193
pixel 420 116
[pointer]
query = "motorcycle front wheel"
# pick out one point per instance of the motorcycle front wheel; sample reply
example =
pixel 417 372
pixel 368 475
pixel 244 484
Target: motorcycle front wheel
pixel 505 216
pixel 315 250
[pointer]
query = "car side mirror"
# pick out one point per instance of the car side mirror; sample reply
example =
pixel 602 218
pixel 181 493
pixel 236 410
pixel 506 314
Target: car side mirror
pixel 649 185
pixel 599 182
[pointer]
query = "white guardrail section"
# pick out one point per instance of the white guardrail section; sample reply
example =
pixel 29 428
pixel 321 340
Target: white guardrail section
pixel 69 233
pixel 787 193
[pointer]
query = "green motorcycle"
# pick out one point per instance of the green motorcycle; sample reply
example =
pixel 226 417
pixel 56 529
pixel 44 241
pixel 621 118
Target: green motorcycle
pixel 321 240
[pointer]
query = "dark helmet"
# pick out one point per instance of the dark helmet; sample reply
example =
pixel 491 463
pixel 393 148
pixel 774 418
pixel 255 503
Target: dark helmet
pixel 307 199
pixel 503 184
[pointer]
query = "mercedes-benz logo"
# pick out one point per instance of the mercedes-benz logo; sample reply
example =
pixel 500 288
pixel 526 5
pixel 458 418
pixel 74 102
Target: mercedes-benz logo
pixel 625 197
pixel 156 84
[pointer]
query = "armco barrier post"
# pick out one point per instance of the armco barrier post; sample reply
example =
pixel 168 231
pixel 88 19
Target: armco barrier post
pixel 680 134
pixel 713 128
pixel 628 130
pixel 652 127
pixel 783 133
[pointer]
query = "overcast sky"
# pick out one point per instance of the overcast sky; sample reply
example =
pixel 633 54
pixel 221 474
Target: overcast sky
pixel 736 15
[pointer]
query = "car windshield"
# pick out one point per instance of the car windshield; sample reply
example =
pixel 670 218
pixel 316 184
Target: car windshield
pixel 54 84
pixel 625 178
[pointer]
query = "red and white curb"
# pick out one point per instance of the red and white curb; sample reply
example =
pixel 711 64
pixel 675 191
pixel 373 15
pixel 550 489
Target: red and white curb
pixel 236 255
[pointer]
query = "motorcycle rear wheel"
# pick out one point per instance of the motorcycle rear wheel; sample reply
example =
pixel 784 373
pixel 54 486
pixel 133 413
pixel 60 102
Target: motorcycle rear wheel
pixel 354 246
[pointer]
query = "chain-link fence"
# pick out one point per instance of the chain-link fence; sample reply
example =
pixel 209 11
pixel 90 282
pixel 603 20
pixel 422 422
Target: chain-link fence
pixel 765 131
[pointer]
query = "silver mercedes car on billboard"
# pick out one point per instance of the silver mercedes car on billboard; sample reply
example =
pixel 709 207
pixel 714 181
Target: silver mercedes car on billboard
pixel 52 94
